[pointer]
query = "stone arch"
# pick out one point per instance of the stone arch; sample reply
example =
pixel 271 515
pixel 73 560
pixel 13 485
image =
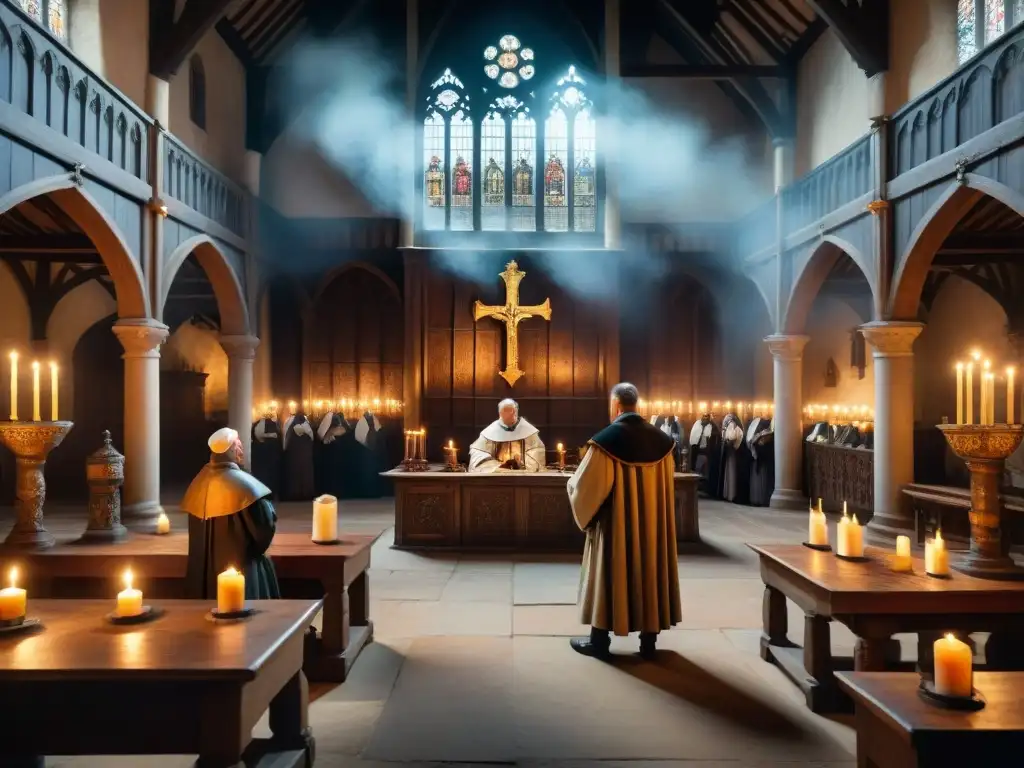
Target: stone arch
pixel 337 272
pixel 129 284
pixel 234 314
pixel 932 230
pixel 807 284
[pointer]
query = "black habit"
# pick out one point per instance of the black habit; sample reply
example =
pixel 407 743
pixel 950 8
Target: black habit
pixel 706 455
pixel 330 458
pixel 761 441
pixel 734 484
pixel 265 452
pixel 371 456
pixel 297 475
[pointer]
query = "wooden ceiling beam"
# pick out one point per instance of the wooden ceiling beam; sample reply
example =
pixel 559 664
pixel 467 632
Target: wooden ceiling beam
pixel 702 71
pixel 764 8
pixel 172 45
pixel 46 243
pixel 752 27
pixel 803 44
pixel 863 30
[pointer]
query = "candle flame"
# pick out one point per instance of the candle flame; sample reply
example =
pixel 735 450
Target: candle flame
pixel 230 571
pixel 950 637
pixel 559 447
pixel 35 366
pixel 959 366
pixel 13 576
pixel 976 354
pixel 451 444
pixel 14 357
pixel 53 366
pixel 1010 370
pixel 986 365
pixel 128 578
pixel 938 535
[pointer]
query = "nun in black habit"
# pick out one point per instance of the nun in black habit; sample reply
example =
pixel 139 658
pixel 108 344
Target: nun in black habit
pixel 297 475
pixel 330 460
pixel 761 441
pixel 735 483
pixel 265 451
pixel 371 456
pixel 706 454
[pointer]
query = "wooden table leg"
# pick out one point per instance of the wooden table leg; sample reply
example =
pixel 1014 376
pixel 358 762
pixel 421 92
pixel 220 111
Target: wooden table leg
pixel 774 621
pixel 359 601
pixel 823 691
pixel 871 653
pixel 926 653
pixel 289 718
pixel 335 618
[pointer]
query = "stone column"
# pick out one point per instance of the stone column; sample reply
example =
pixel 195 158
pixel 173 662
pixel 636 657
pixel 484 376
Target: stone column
pixel 141 339
pixel 782 154
pixel 241 352
pixel 612 85
pixel 892 345
pixel 407 225
pixel 158 100
pixel 787 358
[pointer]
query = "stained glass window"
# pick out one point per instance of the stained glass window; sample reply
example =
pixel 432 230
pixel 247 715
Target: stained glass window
pixel 461 162
pixel 57 18
pixel 505 62
pixel 492 155
pixel 433 182
pixel 556 150
pixel 197 92
pixel 973 33
pixel 584 182
pixel 524 159
pixel 33 8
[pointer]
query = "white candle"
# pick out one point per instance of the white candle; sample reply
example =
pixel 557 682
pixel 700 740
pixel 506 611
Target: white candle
pixel 129 601
pixel 325 518
pixel 14 386
pixel 850 537
pixel 959 393
pixel 561 455
pixel 991 398
pixel 12 600
pixel 936 556
pixel 230 591
pixel 902 562
pixel 953 671
pixel 969 395
pixel 35 391
pixel 1009 395
pixel 817 529
pixel 54 391
pixel 163 524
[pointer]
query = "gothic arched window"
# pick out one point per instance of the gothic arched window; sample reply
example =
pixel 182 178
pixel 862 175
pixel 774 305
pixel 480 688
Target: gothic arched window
pixel 532 174
pixel 197 91
pixel 973 33
pixel 55 12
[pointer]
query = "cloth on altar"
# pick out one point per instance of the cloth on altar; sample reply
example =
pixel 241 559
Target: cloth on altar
pixel 231 524
pixel 623 496
pixel 499 443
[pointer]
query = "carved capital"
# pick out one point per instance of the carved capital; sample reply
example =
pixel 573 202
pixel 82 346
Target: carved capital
pixel 141 338
pixel 240 347
pixel 892 338
pixel 787 347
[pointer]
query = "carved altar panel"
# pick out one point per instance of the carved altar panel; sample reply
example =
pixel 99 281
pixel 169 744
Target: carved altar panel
pixel 489 516
pixel 549 519
pixel 428 515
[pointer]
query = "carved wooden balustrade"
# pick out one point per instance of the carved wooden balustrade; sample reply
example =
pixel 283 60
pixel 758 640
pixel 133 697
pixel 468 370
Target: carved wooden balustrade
pixel 208 192
pixel 833 184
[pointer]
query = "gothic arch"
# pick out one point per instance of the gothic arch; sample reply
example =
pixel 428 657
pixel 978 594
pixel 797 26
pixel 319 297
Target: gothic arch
pixel 932 230
pixel 129 285
pixel 807 284
pixel 337 272
pixel 234 316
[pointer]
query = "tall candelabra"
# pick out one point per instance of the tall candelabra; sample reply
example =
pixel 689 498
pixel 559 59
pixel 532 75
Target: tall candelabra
pixel 31 442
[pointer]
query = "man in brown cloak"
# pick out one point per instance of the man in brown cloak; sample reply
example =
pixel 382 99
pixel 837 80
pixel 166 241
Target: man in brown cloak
pixel 623 497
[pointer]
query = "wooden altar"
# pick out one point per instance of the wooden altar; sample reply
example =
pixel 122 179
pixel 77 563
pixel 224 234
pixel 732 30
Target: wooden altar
pixel 523 511
pixel 838 473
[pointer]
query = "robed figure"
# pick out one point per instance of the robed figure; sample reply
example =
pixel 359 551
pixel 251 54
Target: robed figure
pixel 706 453
pixel 297 469
pixel 735 483
pixel 371 453
pixel 265 453
pixel 623 496
pixel 510 442
pixel 761 442
pixel 330 465
pixel 231 524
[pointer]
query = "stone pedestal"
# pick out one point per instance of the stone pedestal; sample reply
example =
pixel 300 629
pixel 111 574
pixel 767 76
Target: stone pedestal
pixel 141 339
pixel 241 351
pixel 892 349
pixel 787 363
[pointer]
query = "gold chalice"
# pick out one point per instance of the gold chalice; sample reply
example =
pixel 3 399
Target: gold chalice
pixel 31 442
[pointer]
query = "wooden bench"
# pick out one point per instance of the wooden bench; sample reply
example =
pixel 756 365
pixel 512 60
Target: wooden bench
pixel 305 571
pixel 896 729
pixel 947 505
pixel 181 684
pixel 875 604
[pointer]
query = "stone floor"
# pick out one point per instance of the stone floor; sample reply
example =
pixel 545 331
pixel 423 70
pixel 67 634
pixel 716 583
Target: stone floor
pixel 471 665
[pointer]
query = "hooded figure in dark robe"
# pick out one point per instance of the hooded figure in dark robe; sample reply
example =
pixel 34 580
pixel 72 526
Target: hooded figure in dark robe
pixel 231 524
pixel 735 483
pixel 266 454
pixel 761 442
pixel 297 470
pixel 706 453
pixel 372 456
pixel 330 464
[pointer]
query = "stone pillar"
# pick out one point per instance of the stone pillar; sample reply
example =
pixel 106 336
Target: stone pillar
pixel 612 85
pixel 787 358
pixel 782 154
pixel 158 100
pixel 415 314
pixel 782 150
pixel 141 339
pixel 407 226
pixel 241 352
pixel 892 345
pixel 251 171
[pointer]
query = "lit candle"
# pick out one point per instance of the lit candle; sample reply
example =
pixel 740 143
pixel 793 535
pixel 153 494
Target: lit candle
pixel 230 591
pixel 35 391
pixel 902 562
pixel 1009 395
pixel 163 525
pixel 12 600
pixel 849 537
pixel 325 518
pixel 561 455
pixel 959 393
pixel 936 556
pixel 129 602
pixel 54 391
pixel 817 529
pixel 969 395
pixel 451 453
pixel 953 672
pixel 14 386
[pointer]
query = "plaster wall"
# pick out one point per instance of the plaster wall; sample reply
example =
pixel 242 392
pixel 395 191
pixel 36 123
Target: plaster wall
pixel 198 349
pixel 830 325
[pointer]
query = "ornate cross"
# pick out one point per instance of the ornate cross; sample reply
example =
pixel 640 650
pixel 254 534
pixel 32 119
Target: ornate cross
pixel 511 314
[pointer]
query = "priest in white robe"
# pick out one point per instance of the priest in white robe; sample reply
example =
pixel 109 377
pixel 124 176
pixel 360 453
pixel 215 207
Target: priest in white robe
pixel 623 497
pixel 510 442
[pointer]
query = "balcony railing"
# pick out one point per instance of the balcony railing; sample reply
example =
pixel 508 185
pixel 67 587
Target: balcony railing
pixel 189 180
pixel 831 185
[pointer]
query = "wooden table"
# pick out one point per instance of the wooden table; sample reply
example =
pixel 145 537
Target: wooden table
pixel 177 685
pixel 522 511
pixel 304 570
pixel 875 603
pixel 896 729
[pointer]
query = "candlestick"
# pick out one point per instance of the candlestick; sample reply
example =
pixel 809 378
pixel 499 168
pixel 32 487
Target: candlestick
pixel 14 386
pixel 452 455
pixel 902 563
pixel 953 670
pixel 959 393
pixel 163 524
pixel 969 395
pixel 1009 395
pixel 35 391
pixel 817 529
pixel 325 518
pixel 936 556
pixel 230 591
pixel 129 601
pixel 12 600
pixel 54 391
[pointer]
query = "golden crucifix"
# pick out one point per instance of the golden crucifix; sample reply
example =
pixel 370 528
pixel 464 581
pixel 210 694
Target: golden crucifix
pixel 511 314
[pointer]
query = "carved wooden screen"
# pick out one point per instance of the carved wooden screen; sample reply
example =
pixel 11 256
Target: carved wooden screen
pixel 355 340
pixel 563 391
